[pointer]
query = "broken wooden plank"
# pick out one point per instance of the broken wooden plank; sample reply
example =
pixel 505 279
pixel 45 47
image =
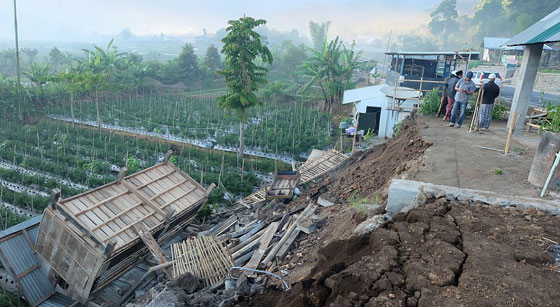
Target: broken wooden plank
pixel 154 248
pixel 221 228
pixel 251 239
pixel 272 254
pixel 285 248
pixel 264 242
pixel 243 230
pixel 246 248
pixel 249 234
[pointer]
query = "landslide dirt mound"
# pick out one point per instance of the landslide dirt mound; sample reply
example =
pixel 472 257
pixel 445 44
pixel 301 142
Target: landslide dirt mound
pixel 365 176
pixel 441 254
pixel 367 173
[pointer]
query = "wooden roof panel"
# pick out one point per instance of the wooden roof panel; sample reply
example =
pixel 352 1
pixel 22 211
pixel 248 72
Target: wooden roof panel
pixel 111 211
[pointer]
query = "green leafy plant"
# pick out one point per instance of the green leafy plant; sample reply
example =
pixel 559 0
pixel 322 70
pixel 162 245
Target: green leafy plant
pixel 369 135
pixel 397 129
pixel 358 202
pixel 207 211
pixel 518 151
pixel 552 120
pixel 498 171
pixel 499 112
pixel 430 103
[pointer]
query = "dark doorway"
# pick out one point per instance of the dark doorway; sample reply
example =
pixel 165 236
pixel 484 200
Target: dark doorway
pixel 370 120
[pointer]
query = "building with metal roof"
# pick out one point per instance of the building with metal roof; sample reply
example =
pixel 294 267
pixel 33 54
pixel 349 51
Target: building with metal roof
pixel 494 49
pixel 546 30
pixel 428 66
pixel 378 110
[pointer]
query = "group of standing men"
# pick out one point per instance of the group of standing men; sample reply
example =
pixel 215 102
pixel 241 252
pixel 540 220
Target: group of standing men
pixel 459 90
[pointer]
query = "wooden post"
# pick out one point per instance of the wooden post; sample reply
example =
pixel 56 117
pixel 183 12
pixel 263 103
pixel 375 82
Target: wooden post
pixel 154 248
pixel 167 156
pixel 510 131
pixel 55 196
pixel 356 131
pixel 122 174
pixel 475 117
pixel 394 95
pixel 420 89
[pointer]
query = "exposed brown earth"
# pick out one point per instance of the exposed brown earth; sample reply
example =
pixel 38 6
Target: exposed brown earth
pixel 441 254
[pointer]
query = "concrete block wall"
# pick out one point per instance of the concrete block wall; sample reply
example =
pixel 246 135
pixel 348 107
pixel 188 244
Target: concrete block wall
pixel 547 82
pixel 407 194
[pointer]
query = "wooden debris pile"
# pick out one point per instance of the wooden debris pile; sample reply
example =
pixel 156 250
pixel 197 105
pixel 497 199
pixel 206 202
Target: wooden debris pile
pixel 260 244
pixel 318 164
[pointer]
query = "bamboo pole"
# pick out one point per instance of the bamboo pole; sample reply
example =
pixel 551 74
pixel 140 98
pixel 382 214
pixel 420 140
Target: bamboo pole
pixel 477 106
pixel 510 132
pixel 356 131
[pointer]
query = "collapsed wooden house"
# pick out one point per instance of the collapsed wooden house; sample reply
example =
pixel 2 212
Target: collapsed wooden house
pixel 91 239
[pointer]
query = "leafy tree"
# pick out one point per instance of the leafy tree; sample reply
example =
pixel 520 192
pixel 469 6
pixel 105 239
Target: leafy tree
pixel 57 58
pixel 444 19
pixel 242 73
pixel 319 33
pixel 212 60
pixel 289 58
pixel 188 63
pixel 331 69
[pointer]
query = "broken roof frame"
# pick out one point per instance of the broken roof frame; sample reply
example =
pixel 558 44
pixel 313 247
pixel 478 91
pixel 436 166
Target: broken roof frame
pixel 89 239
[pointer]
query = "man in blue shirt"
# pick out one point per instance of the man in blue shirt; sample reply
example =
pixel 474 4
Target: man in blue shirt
pixel 465 88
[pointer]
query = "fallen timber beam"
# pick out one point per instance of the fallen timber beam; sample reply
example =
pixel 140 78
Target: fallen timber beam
pixel 263 245
pixel 272 254
pixel 154 248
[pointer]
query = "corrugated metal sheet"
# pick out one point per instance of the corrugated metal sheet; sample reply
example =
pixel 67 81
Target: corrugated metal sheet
pixel 547 30
pixel 494 42
pixel 17 255
pixel 23 225
pixel 57 300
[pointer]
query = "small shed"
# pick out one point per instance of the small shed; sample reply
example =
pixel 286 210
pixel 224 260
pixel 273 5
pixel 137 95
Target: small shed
pixel 378 110
pixel 91 238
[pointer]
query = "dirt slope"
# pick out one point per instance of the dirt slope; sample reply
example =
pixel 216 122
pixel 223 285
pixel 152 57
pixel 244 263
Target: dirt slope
pixel 365 176
pixel 441 254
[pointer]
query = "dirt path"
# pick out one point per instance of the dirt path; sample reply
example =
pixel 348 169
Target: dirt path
pixel 453 160
pixel 441 254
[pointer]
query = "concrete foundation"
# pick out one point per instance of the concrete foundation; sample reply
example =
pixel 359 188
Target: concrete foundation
pixel 525 83
pixel 407 194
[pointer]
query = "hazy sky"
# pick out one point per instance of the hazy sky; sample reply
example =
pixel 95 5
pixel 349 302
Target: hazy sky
pixel 79 19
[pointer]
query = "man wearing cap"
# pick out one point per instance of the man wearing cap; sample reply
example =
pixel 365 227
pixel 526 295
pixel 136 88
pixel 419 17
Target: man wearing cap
pixel 490 92
pixel 451 83
pixel 465 87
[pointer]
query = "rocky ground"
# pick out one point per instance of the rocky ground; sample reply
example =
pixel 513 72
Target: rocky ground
pixel 440 254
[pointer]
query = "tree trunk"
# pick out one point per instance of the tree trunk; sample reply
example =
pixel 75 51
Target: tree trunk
pixel 72 108
pixel 241 140
pixel 97 108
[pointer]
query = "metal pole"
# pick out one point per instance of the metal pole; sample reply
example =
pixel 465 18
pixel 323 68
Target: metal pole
pixel 20 111
pixel 550 174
